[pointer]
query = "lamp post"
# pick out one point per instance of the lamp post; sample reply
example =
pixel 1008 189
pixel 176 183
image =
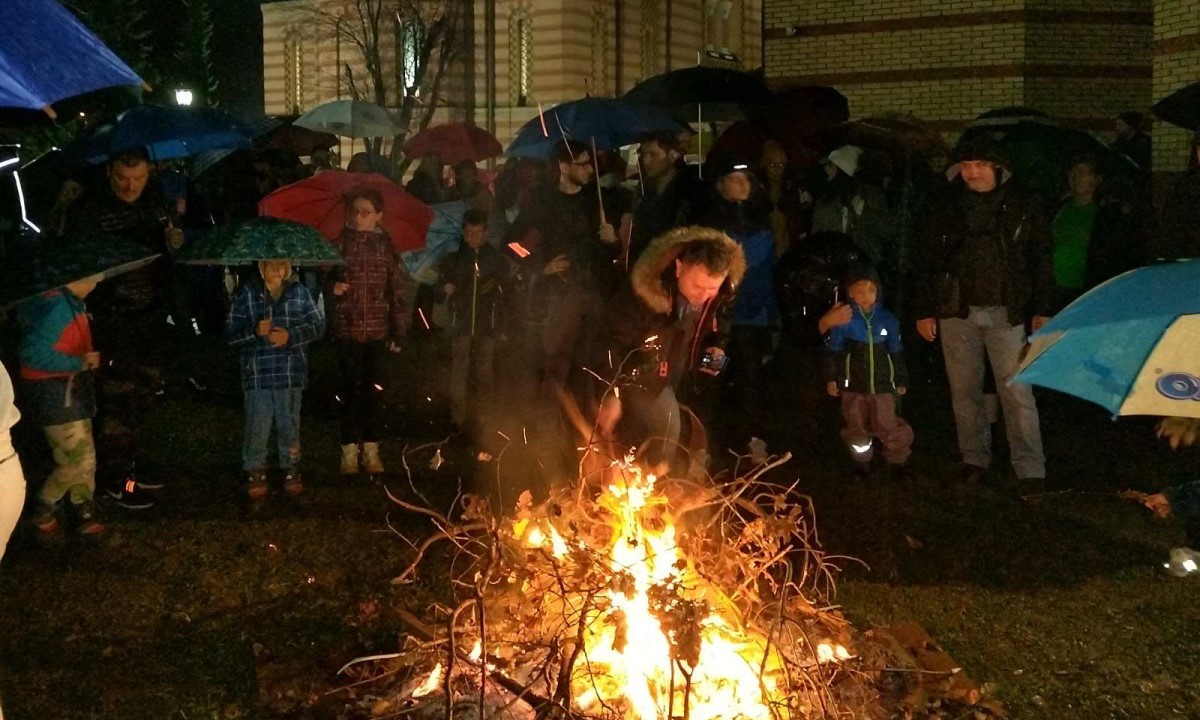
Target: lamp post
pixel 183 97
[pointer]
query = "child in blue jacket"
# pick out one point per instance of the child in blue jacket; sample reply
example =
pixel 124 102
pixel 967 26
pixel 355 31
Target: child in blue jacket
pixel 864 366
pixel 271 322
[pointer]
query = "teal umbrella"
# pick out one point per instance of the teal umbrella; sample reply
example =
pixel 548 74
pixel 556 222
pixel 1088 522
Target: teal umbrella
pixel 262 238
pixel 58 265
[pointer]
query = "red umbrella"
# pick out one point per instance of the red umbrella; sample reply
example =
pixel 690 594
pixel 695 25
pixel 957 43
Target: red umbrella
pixel 453 142
pixel 317 202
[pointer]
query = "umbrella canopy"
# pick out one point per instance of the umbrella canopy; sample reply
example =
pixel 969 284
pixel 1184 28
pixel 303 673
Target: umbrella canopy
pixel 61 264
pixel 261 239
pixel 894 134
pixel 350 118
pixel 164 132
pixel 1129 345
pixel 453 143
pixel 717 93
pixel 443 237
pixel 48 55
pixel 1040 152
pixel 317 202
pixel 610 123
pixel 1181 107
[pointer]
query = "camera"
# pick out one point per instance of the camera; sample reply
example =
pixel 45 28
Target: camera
pixel 716 364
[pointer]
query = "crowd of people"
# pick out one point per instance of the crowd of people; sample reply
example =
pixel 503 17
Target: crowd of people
pixel 623 315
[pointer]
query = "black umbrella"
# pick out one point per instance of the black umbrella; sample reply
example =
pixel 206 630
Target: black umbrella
pixel 1181 107
pixel 61 264
pixel 721 94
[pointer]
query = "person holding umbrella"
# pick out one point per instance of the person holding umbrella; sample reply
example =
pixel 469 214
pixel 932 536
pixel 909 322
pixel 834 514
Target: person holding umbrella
pixel 130 315
pixel 369 320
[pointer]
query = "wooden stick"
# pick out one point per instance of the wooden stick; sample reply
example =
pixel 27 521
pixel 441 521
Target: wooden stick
pixel 599 196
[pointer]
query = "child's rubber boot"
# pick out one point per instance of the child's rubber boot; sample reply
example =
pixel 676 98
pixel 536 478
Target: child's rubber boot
pixel 371 464
pixel 350 459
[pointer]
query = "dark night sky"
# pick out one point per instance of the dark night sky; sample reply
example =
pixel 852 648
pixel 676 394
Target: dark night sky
pixel 236 49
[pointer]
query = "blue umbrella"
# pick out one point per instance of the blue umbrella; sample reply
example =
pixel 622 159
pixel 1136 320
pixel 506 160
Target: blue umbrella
pixel 164 132
pixel 610 123
pixel 441 239
pixel 48 55
pixel 1131 345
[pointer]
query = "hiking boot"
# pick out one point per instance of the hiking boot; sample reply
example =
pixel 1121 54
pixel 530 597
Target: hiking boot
pixel 350 459
pixel 256 485
pixel 133 494
pixel 1184 562
pixel 46 520
pixel 370 458
pixel 87 523
pixel 293 484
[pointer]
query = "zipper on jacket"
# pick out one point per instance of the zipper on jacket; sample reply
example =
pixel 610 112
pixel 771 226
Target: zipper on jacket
pixel 870 355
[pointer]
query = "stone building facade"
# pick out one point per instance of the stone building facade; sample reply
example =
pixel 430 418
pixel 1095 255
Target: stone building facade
pixel 946 61
pixel 1176 64
pixel 545 52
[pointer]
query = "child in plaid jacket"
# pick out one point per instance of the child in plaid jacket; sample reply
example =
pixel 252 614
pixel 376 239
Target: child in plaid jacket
pixel 271 322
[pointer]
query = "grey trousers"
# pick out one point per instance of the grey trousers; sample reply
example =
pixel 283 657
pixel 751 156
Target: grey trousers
pixel 986 335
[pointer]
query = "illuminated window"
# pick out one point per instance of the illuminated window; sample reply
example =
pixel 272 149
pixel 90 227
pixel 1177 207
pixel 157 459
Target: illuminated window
pixel 651 34
pixel 293 73
pixel 520 54
pixel 409 36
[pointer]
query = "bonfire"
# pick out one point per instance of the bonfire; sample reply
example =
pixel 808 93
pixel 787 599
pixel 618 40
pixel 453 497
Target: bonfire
pixel 637 598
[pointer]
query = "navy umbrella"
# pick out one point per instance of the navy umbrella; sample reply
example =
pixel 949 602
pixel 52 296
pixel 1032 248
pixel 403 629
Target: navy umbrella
pixel 608 123
pixel 164 132
pixel 48 55
pixel 708 93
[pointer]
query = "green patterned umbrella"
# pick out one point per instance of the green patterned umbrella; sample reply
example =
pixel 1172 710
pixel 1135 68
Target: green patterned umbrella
pixel 57 265
pixel 262 238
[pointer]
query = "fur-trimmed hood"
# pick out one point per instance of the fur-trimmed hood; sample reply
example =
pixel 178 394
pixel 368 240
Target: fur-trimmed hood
pixel 652 278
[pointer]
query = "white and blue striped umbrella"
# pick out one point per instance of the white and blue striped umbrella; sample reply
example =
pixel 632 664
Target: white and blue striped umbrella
pixel 1131 345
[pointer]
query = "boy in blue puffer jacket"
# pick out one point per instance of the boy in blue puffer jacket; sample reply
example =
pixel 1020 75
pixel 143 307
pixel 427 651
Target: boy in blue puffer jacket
pixel 864 365
pixel 271 322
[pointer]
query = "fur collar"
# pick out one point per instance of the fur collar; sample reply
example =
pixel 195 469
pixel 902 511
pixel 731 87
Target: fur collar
pixel 656 262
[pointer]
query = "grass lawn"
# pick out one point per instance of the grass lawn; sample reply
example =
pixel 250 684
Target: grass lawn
pixel 205 608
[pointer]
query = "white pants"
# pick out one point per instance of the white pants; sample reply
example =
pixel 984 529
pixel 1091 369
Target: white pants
pixel 12 492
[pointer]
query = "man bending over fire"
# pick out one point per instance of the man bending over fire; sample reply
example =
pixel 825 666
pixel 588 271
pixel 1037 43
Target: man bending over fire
pixel 662 329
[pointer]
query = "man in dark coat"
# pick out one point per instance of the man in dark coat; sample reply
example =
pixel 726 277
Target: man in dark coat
pixel 668 192
pixel 661 329
pixel 130 317
pixel 983 270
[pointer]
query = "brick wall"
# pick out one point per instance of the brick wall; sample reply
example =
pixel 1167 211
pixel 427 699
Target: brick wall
pixel 946 61
pixel 1176 64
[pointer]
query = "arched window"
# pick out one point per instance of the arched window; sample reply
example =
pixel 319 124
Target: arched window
pixel 520 57
pixel 651 37
pixel 293 72
pixel 600 32
pixel 409 37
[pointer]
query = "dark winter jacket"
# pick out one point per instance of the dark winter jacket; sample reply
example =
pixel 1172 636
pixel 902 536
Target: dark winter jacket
pixel 143 222
pixel 553 224
pixel 265 367
pixel 1179 236
pixel 55 336
pixel 1026 278
pixel 373 309
pixel 658 213
pixel 643 320
pixel 865 355
pixel 478 278
pixel 756 303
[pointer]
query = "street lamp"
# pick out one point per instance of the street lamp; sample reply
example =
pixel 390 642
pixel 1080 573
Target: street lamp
pixel 183 97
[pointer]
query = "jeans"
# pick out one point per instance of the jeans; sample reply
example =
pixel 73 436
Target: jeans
pixel 264 407
pixel 360 388
pixel 74 452
pixel 985 334
pixel 654 420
